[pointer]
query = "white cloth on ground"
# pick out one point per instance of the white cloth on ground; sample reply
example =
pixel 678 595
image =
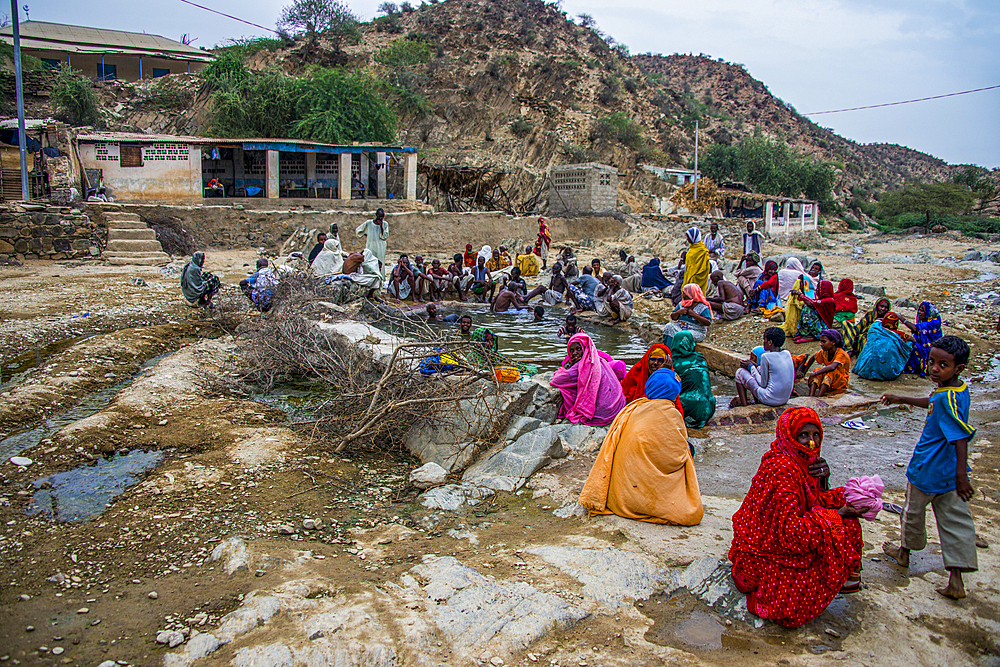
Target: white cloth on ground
pixel 330 259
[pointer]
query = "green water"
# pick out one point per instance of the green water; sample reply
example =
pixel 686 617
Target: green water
pixel 14 370
pixel 521 339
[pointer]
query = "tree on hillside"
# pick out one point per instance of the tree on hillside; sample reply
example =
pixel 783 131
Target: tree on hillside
pixel 928 199
pixel 313 18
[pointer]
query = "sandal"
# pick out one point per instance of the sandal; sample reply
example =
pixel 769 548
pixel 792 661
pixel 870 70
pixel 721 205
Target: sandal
pixel 852 585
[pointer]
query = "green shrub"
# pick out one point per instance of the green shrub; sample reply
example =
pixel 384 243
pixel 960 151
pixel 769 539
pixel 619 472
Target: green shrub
pixel 971 225
pixel 226 71
pixel 404 53
pixel 521 127
pixel 75 98
pixel 167 95
pixel 620 128
pixel 244 47
pixel 257 104
pixel 338 107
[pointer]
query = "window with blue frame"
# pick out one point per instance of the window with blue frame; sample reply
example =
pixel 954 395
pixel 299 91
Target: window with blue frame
pixel 51 64
pixel 107 72
pixel 157 72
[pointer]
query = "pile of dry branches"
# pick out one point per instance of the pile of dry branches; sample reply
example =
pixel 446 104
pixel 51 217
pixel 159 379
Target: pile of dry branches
pixel 376 400
pixel 708 196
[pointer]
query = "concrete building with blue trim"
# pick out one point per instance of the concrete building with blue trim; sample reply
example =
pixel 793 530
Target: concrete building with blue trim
pixel 168 168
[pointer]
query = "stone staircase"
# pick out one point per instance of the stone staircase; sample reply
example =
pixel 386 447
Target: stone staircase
pixel 131 242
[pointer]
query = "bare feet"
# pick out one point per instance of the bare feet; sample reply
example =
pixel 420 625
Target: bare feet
pixel 955 588
pixel 898 554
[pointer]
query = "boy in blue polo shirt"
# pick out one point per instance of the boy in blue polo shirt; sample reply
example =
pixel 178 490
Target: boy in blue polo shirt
pixel 938 473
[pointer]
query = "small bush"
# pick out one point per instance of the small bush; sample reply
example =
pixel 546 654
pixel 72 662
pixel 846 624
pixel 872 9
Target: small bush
pixel 243 47
pixel 226 71
pixel 75 98
pixel 577 154
pixel 167 95
pixel 521 127
pixel 404 53
pixel 620 128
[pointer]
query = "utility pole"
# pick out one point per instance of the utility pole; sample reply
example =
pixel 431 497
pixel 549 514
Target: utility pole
pixel 22 136
pixel 695 158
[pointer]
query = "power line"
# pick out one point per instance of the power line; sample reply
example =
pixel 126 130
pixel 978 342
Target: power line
pixel 229 16
pixel 892 104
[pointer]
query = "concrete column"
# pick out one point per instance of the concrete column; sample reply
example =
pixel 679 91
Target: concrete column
pixel 802 216
pixel 383 171
pixel 310 169
pixel 410 176
pixel 366 167
pixel 344 177
pixel 272 181
pixel 767 217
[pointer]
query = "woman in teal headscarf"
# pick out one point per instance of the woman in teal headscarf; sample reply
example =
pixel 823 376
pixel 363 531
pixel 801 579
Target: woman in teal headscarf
pixel 197 286
pixel 696 394
pixel 926 330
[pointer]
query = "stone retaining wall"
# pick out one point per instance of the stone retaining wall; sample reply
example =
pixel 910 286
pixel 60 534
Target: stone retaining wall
pixel 51 233
pixel 231 227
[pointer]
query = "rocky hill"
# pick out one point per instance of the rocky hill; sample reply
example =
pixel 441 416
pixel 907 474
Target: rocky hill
pixel 519 86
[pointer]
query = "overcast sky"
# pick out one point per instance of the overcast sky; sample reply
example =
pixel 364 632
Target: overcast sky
pixel 814 54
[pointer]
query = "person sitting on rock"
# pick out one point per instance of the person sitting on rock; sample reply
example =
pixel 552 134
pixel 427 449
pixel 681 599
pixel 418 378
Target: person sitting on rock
pixel 693 314
pixel 402 282
pixel 645 469
pixel 460 277
pixel 696 384
pixel 528 262
pixel 729 302
pixel 320 240
pixel 198 286
pixel 834 364
pixel 617 301
pixel 634 382
pixel 558 286
pixel 515 283
pixel 483 285
pixel 796 542
pixel 590 388
pixel 771 379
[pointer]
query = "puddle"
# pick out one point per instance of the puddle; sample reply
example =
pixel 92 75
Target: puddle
pixel 299 399
pixel 89 405
pixel 14 370
pixel 981 278
pixel 537 342
pixel 701 630
pixel 85 492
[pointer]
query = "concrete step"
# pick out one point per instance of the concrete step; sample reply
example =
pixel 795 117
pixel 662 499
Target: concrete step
pixel 134 246
pixel 144 234
pixel 119 216
pixel 136 258
pixel 127 224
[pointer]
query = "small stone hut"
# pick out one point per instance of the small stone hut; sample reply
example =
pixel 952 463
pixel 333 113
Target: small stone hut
pixel 583 188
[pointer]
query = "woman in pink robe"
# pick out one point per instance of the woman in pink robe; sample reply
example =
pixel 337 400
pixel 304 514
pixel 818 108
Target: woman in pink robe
pixel 591 391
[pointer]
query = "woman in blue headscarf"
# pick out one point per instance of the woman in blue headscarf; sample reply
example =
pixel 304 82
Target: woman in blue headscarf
pixel 926 330
pixel 644 470
pixel 652 276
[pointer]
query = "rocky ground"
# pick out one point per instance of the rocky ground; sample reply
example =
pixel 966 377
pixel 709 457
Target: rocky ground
pixel 246 541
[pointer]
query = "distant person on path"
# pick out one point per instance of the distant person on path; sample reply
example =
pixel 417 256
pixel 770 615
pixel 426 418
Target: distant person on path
pixel 796 542
pixel 715 243
pixel 729 303
pixel 320 240
pixel 772 379
pixel 198 286
pixel 377 232
pixel 543 242
pixel 696 266
pixel 753 243
pixel 938 474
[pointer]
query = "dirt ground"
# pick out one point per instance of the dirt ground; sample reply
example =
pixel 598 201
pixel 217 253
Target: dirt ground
pixel 81 592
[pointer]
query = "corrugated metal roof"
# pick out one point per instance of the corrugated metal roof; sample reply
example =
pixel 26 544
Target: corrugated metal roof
pixel 82 39
pixel 249 143
pixel 29 123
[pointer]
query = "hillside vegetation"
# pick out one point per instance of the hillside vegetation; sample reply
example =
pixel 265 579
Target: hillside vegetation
pixel 520 86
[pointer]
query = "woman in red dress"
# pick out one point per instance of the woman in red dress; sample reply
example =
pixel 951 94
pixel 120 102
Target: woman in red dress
pixel 796 544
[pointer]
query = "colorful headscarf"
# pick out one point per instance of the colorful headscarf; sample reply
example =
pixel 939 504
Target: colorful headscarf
pixel 785 443
pixel 930 313
pixel 479 336
pixel 833 335
pixel 692 294
pixel 770 267
pixel 844 298
pixel 824 304
pixel 663 384
pixel 588 379
pixel 891 321
pixel 634 382
pixel 693 235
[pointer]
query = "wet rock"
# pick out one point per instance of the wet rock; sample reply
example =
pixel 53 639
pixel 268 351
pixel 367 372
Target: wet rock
pixel 973 256
pixel 233 551
pixel 517 462
pixel 447 441
pixel 709 579
pixel 453 496
pixel 611 576
pixel 472 610
pixel 428 476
